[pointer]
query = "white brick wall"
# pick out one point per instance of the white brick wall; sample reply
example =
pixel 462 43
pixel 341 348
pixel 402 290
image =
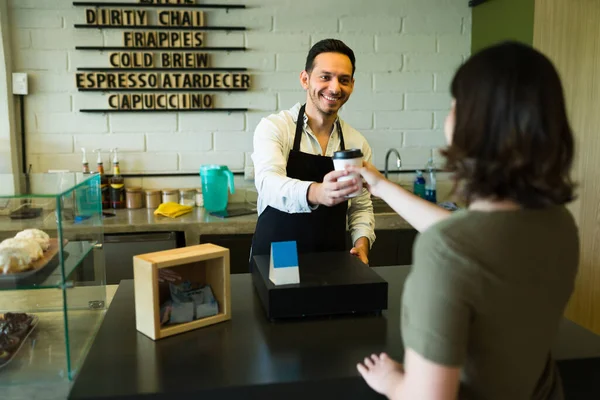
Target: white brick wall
pixel 407 51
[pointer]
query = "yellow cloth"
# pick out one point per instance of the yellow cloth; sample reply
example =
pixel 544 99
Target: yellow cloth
pixel 172 210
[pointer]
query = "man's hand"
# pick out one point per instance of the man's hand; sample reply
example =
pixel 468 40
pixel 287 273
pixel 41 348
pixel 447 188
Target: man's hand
pixel 331 192
pixel 361 249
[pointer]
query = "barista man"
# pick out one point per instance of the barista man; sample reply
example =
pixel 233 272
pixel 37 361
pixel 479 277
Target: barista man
pixel 299 197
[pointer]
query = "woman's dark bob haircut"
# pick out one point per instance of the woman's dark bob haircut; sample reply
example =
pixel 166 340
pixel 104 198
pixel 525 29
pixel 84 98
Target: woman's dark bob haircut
pixel 512 139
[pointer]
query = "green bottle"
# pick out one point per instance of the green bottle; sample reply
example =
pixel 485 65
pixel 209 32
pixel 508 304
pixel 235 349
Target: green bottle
pixel 419 185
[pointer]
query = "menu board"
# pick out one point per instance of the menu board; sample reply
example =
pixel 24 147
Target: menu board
pixel 163 63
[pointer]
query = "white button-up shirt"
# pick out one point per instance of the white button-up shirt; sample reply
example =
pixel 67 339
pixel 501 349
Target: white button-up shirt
pixel 273 141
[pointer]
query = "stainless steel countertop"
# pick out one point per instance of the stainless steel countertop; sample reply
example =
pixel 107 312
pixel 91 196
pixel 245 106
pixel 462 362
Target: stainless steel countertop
pixel 194 224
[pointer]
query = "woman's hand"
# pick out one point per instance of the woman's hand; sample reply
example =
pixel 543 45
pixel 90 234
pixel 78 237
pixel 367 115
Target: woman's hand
pixel 371 176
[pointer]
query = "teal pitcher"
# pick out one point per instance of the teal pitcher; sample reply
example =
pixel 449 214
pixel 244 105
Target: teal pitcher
pixel 215 179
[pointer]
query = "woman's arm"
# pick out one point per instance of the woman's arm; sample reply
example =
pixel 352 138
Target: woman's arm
pixel 426 379
pixel 418 212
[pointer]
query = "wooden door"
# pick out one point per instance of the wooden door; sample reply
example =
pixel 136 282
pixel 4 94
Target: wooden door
pixel 568 31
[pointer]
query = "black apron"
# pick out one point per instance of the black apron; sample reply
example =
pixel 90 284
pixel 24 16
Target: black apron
pixel 323 229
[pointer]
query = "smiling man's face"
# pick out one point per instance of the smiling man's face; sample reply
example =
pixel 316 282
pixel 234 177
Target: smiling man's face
pixel 330 83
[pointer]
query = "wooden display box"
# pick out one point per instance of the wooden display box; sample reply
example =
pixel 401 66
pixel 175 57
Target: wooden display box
pixel 204 264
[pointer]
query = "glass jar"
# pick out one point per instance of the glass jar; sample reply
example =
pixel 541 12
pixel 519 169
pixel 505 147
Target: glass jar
pixel 170 196
pixel 186 197
pixel 199 198
pixel 133 197
pixel 152 198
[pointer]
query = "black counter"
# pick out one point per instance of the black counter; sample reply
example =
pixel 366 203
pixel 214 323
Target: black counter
pixel 251 358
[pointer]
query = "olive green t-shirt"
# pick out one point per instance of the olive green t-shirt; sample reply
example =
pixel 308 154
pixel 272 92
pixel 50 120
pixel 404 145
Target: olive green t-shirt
pixel 487 292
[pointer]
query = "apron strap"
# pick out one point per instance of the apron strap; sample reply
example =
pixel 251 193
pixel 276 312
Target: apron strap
pixel 300 128
pixel 342 144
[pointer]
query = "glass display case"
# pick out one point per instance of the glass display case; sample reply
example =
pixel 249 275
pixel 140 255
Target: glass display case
pixel 61 290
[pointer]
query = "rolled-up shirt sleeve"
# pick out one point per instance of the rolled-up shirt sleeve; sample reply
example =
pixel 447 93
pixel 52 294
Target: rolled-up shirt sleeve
pixel 361 221
pixel 274 187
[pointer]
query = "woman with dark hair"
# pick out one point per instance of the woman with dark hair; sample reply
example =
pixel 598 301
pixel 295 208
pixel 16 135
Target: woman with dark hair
pixel 489 284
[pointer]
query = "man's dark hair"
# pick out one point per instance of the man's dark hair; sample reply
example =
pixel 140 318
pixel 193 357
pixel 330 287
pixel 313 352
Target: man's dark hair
pixel 329 46
pixel 512 139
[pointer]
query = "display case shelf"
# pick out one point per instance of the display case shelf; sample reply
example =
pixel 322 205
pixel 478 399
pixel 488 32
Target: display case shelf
pixel 74 255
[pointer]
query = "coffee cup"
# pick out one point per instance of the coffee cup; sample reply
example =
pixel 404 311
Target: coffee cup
pixel 344 158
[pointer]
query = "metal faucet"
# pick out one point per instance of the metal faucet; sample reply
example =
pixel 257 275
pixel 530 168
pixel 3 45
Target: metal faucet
pixel 398 160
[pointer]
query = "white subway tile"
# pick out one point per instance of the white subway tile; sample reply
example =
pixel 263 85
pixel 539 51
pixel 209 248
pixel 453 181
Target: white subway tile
pixel 405 43
pixel 71 123
pixel 287 99
pixel 370 23
pixel 253 118
pixel 424 138
pixel 380 142
pixel 25 18
pixel 442 81
pixel 393 101
pixel 45 60
pixel 179 182
pixel 113 37
pixel 290 62
pixel 439 118
pixel 414 157
pixel 123 142
pixel 21 39
pixel 5 167
pixel 44 144
pixel 358 42
pixel 191 162
pixel 428 101
pixel 51 82
pixel 49 39
pixel 257 18
pixel 403 81
pixel 233 141
pixel 40 4
pixel 211 121
pixel 454 44
pixel 432 22
pixel 403 120
pixel 87 59
pixel 259 61
pixel 363 82
pixel 148 162
pixel 251 100
pixel 358 119
pixel 276 42
pixel 181 142
pixel 87 100
pixel 381 62
pixel 50 103
pixel 45 162
pixel 433 62
pixel 284 21
pixel 224 39
pixel 147 122
pixel 276 81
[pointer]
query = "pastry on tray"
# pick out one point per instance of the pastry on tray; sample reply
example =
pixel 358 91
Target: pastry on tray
pixel 9 342
pixel 31 246
pixel 14 260
pixel 39 236
pixel 17 254
pixel 14 328
pixel 15 324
